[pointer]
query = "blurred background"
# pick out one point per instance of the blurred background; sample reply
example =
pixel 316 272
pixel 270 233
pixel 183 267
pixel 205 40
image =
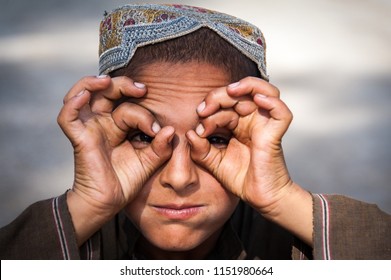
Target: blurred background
pixel 331 60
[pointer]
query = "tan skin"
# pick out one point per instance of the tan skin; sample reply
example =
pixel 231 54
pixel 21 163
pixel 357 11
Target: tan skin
pixel 179 119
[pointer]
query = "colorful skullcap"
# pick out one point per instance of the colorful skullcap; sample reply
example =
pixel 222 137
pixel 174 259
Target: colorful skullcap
pixel 125 29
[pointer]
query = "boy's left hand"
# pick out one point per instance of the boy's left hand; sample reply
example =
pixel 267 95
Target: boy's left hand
pixel 252 166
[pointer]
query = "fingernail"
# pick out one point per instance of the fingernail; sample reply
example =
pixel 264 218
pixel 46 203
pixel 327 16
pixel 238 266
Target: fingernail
pixel 102 76
pixel 260 95
pixel 156 127
pixel 139 85
pixel 81 93
pixel 234 85
pixel 201 107
pixel 200 129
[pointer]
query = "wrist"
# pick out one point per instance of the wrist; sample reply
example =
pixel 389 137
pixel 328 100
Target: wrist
pixel 87 218
pixel 294 212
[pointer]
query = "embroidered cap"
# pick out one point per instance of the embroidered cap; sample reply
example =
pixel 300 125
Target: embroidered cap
pixel 125 29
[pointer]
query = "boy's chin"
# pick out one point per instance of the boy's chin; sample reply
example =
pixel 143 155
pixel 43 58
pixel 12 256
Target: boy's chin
pixel 180 243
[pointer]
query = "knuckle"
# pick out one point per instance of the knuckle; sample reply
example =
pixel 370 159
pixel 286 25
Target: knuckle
pixel 214 95
pixel 122 80
pixel 85 80
pixel 60 118
pixel 252 80
pixel 290 115
pixel 275 90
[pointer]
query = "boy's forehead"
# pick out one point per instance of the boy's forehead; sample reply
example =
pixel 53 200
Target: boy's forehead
pixel 172 107
pixel 174 91
pixel 177 112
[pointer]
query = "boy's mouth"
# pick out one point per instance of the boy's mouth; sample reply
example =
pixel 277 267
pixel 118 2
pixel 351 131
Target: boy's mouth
pixel 178 212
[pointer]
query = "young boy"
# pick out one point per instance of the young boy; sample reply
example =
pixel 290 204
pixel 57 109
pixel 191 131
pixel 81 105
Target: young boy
pixel 178 155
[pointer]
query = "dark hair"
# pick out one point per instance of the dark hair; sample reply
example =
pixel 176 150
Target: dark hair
pixel 203 45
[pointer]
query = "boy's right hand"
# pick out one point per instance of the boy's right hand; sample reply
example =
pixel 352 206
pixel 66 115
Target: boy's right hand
pixel 109 172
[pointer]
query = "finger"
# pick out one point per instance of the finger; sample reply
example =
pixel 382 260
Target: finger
pixel 224 164
pixel 90 83
pixel 252 86
pixel 279 113
pixel 69 116
pixel 159 151
pixel 219 99
pixel 203 152
pixel 104 101
pixel 277 109
pixel 129 116
pixel 223 118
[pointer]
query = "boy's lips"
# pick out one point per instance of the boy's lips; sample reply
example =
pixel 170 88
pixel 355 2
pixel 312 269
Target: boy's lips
pixel 178 212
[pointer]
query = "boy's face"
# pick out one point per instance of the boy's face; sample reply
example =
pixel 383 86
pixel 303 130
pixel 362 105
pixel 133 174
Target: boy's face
pixel 181 207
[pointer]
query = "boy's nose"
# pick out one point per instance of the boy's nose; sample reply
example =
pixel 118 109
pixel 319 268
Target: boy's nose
pixel 180 172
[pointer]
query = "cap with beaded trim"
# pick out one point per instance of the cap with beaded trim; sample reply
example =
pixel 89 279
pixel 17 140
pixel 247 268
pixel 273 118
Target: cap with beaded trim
pixel 125 29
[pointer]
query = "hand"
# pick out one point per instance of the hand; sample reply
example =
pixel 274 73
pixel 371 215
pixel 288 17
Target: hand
pixel 109 172
pixel 252 166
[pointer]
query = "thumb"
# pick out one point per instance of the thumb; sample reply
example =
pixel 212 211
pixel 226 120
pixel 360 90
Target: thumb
pixel 159 151
pixel 229 166
pixel 203 153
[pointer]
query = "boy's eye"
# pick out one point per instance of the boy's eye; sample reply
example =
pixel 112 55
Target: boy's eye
pixel 219 141
pixel 139 139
